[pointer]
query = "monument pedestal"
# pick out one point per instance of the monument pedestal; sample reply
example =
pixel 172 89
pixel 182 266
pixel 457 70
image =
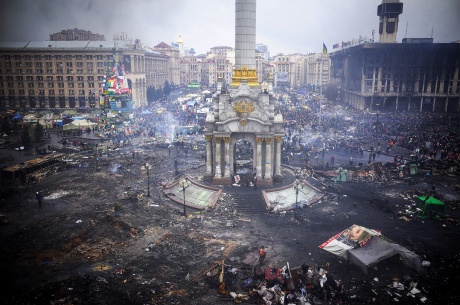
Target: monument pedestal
pixel 222 181
pixel 208 177
pixel 265 182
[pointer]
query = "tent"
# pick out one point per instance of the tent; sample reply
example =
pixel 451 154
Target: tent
pixel 431 207
pixel 366 247
pixel 77 124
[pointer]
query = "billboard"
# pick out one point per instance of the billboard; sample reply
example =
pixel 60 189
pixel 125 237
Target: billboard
pixel 282 77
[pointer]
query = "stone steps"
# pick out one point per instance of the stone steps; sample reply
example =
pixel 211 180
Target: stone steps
pixel 253 203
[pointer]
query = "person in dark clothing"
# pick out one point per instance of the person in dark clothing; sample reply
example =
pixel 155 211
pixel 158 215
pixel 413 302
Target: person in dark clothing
pixel 39 198
pixel 262 254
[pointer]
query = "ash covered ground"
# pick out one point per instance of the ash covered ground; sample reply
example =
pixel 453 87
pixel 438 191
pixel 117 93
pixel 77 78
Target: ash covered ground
pixel 75 250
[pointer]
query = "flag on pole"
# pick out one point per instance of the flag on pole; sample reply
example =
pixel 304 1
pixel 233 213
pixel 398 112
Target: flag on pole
pixel 324 49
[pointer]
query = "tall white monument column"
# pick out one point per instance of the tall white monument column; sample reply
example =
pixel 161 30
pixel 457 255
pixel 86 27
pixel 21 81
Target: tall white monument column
pixel 245 43
pixel 245 34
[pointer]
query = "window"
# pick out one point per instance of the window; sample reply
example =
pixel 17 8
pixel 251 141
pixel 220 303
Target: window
pixel 49 71
pixel 60 78
pixel 31 92
pixel 7 57
pixel 49 78
pixel 57 57
pixel 38 65
pixel 28 64
pixel 90 78
pixel 89 71
pixel 91 85
pixel 69 78
pixel 80 78
pixel 22 92
pixel 39 71
pixel 81 92
pixel 18 64
pixel 79 71
pixel 70 85
pixel 69 71
pixel 40 78
pixel 18 71
pixel 89 57
pixel 71 92
pixel 29 78
pixel 51 92
pixel 68 64
pixel 100 64
pixel 31 85
pixel 89 64
pixel 68 57
pixel 60 85
pixel 28 71
pixel 78 57
pixel 47 57
pixel 50 85
pixel 49 64
pixel 100 71
pixel 41 85
pixel 81 85
pixel 11 92
pixel 99 57
pixel 79 64
pixel 19 78
pixel 38 57
pixel 27 57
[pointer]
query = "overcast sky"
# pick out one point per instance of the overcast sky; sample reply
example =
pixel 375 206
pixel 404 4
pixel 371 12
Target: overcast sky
pixel 286 26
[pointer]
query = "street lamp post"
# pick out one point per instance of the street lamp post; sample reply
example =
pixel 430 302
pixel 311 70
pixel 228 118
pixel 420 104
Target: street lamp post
pixel 147 167
pixel 184 184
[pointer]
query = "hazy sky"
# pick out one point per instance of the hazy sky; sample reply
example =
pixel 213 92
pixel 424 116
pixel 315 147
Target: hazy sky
pixel 286 26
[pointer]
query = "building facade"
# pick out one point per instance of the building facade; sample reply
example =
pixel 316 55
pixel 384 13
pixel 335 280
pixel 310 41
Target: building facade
pixel 420 77
pixel 298 70
pixel 173 56
pixel 317 70
pixel 213 67
pixel 70 74
pixel 76 34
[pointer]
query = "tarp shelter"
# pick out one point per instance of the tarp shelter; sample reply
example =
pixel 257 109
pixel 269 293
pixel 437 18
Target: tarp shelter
pixel 77 124
pixel 431 207
pixel 366 247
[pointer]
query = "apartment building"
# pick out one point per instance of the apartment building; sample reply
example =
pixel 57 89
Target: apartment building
pixel 70 74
